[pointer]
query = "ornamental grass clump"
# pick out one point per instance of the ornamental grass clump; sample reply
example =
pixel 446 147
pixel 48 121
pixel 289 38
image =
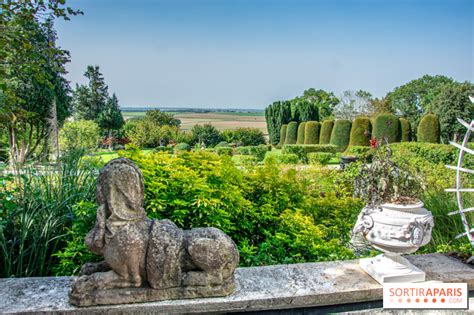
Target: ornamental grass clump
pixel 383 181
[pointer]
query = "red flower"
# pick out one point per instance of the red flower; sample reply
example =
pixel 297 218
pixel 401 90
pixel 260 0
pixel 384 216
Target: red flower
pixel 373 143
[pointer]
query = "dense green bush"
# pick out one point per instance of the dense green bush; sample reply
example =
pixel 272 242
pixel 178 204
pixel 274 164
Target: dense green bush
pixel 258 151
pixel 243 160
pixel 244 136
pixel 302 150
pixel 182 147
pixel 405 130
pixel 361 152
pixel 145 133
pixel 224 151
pixel 282 135
pixel 360 132
pixel 206 134
pixel 258 206
pixel 301 128
pixel 428 129
pixel 291 133
pixel 340 134
pixel 281 158
pixel 320 158
pixel 326 131
pixel 311 132
pixel 81 134
pixel 387 126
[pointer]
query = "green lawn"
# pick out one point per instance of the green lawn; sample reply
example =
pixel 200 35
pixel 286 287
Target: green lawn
pixel 106 156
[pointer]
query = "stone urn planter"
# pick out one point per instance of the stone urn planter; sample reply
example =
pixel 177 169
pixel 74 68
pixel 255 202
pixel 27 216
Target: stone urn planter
pixel 346 160
pixel 394 229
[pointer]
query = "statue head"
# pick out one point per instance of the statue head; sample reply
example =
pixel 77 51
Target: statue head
pixel 120 190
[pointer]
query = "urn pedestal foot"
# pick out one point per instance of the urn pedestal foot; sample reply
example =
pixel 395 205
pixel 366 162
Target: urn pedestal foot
pixel 388 268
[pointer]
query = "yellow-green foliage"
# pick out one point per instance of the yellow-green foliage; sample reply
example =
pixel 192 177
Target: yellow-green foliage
pixel 258 206
pixel 428 129
pixel 291 133
pixel 361 131
pixel 81 134
pixel 387 126
pixel 340 134
pixel 301 128
pixel 405 130
pixel 311 133
pixel 326 130
pixel 282 135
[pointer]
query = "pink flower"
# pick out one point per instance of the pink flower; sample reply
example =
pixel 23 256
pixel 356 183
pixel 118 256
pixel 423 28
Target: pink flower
pixel 373 143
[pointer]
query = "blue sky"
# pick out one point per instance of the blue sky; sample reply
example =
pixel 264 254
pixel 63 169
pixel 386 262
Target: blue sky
pixel 249 53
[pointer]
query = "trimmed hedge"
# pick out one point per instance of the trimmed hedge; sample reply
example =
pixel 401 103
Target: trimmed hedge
pixel 302 150
pixel 431 152
pixel 291 133
pixel 341 133
pixel 428 129
pixel 405 130
pixel 360 132
pixel 326 130
pixel 319 158
pixel 301 128
pixel 282 158
pixel 361 152
pixel 311 132
pixel 282 135
pixel 387 126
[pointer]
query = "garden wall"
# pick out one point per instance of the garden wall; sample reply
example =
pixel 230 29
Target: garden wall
pixel 296 286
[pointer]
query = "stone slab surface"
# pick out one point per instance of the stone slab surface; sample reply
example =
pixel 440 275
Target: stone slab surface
pixel 258 288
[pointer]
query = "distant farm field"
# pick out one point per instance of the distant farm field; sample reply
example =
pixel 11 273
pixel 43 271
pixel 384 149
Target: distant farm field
pixel 221 120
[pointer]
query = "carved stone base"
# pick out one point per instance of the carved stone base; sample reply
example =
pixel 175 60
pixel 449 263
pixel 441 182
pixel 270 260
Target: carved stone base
pixel 147 294
pixel 391 269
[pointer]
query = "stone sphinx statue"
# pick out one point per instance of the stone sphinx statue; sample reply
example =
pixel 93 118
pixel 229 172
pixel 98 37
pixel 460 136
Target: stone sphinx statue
pixel 144 259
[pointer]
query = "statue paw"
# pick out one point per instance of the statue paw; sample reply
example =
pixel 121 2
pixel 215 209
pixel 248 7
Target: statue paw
pixel 83 284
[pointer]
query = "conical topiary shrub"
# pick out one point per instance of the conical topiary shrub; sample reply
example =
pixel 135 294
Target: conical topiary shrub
pixel 326 130
pixel 291 133
pixel 428 129
pixel 282 135
pixel 311 132
pixel 387 126
pixel 300 139
pixel 405 130
pixel 361 131
pixel 341 133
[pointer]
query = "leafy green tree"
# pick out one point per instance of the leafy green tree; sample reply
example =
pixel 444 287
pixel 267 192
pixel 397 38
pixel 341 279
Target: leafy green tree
pixel 326 101
pixel 354 103
pixel 80 134
pixel 111 119
pixel 31 74
pixel 205 134
pixel 144 133
pixel 161 118
pixel 452 103
pixel 91 99
pixel 413 99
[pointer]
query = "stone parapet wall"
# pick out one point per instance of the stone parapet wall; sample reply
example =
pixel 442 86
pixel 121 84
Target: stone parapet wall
pixel 258 288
